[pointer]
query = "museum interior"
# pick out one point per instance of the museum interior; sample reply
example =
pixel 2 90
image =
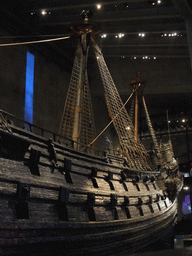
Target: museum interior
pixel 139 39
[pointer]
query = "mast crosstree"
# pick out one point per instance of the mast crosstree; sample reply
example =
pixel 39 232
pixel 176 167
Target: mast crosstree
pixel 77 120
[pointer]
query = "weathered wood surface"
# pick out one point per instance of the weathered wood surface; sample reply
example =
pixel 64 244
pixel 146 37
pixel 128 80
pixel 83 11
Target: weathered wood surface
pixel 80 200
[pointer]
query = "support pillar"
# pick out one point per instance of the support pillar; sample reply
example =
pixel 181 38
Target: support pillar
pixel 188 23
pixel 186 12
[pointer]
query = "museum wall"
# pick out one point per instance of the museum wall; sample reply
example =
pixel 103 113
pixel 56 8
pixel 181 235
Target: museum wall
pixel 168 87
pixel 12 79
pixel 163 77
pixel 50 86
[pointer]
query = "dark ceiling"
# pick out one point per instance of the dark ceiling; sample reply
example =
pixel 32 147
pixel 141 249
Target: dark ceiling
pixel 129 28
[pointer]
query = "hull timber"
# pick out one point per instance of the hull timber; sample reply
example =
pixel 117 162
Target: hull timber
pixel 54 200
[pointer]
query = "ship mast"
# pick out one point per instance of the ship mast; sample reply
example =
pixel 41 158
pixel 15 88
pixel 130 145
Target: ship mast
pixel 136 84
pixel 77 120
pixel 80 86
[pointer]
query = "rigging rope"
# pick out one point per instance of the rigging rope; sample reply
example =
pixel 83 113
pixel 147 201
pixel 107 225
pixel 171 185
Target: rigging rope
pixel 152 132
pixel 111 120
pixel 36 42
pixel 134 152
pixel 5 123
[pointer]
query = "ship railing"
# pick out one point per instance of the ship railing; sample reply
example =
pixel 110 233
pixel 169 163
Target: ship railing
pixel 15 122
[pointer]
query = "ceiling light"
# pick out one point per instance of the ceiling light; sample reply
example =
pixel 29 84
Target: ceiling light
pixel 104 36
pixel 97 57
pixel 159 1
pixel 142 34
pixel 165 34
pixel 183 120
pixel 121 35
pixel 186 188
pixel 98 6
pixel 153 3
pixel 43 12
pixel 127 128
pixel 154 58
pixel 135 58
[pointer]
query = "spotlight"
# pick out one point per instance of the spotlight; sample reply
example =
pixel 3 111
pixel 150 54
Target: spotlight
pixel 98 6
pixel 43 12
pixel 104 36
pixel 121 35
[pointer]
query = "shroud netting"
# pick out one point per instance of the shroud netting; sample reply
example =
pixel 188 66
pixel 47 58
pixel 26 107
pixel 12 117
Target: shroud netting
pixel 87 131
pixel 134 152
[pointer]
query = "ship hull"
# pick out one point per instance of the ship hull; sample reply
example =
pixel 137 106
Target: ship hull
pixel 54 199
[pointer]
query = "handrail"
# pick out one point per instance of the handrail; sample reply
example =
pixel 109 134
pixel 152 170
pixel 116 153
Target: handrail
pixel 56 137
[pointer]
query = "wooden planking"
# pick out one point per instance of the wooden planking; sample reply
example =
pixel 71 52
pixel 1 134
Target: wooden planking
pixel 134 212
pixel 121 213
pixel 77 213
pixel 162 205
pixel 118 187
pixel 146 210
pixel 43 202
pixel 103 213
pixel 42 193
pixel 7 211
pixel 103 186
pixel 143 187
pixel 41 212
pixel 77 198
pixel 8 188
pixel 100 200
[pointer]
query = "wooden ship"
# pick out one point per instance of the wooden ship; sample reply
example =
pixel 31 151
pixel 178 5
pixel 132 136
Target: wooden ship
pixel 59 195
